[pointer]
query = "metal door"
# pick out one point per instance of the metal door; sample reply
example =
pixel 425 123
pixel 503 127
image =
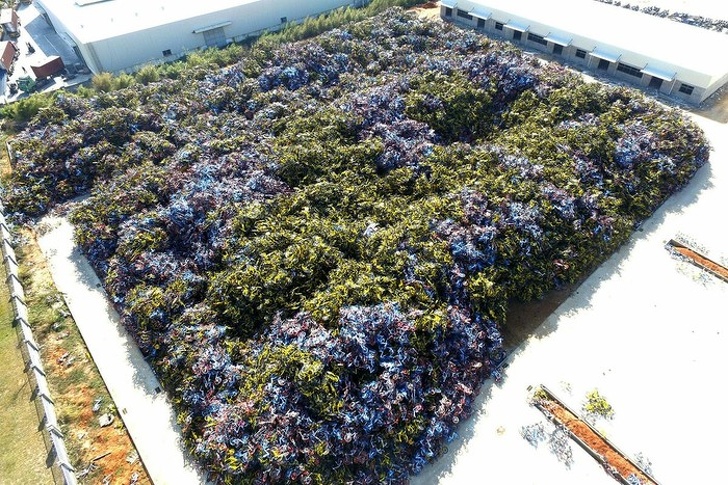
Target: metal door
pixel 215 37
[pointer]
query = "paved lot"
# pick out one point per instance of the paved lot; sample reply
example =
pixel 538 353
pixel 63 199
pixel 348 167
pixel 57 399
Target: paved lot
pixel 144 408
pixel 34 30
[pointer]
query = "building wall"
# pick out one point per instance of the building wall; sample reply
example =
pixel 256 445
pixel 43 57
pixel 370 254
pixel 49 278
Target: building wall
pixel 167 42
pixel 701 84
pixel 714 86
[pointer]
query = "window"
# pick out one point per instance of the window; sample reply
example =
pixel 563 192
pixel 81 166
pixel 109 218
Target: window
pixel 558 49
pixel 629 70
pixel 581 53
pixel 686 89
pixel 448 12
pixel 537 39
pixel 481 23
pixel 167 52
pixel 464 14
pixel 498 26
pixel 284 20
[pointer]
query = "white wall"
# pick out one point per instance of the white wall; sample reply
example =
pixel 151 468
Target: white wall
pixel 703 83
pixel 631 57
pixel 131 50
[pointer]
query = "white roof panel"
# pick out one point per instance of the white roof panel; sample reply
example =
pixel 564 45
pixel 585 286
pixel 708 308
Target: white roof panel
pixel 480 13
pixel 449 3
pixel 659 73
pixel 519 26
pixel 558 39
pixel 607 56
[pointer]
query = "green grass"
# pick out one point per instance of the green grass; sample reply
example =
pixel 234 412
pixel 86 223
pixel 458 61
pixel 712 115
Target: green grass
pixel 22 451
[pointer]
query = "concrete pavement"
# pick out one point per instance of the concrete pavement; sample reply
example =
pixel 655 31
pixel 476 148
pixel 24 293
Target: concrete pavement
pixel 137 394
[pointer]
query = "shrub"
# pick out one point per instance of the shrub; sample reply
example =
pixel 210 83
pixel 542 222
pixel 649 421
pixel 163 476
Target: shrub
pixel 597 405
pixel 103 82
pixel 23 110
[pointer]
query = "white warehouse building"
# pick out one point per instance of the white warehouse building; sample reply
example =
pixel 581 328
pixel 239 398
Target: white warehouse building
pixel 122 35
pixel 680 60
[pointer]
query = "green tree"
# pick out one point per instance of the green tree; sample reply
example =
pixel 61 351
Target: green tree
pixel 103 82
pixel 148 74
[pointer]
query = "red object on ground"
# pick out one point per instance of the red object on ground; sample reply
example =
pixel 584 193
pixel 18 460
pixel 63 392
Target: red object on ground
pixel 48 67
pixel 699 260
pixel 7 54
pixel 612 459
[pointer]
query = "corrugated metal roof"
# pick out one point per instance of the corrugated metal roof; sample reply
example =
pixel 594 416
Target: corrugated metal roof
pixel 607 56
pixel 7 51
pixel 696 53
pixel 562 40
pixel 519 26
pixel 659 73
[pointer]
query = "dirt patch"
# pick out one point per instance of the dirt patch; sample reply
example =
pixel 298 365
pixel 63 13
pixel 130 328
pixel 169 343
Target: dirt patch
pixel 614 462
pixel 99 454
pixel 429 10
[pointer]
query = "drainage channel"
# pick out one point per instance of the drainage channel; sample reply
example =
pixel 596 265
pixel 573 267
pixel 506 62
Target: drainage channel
pixel 698 259
pixel 615 462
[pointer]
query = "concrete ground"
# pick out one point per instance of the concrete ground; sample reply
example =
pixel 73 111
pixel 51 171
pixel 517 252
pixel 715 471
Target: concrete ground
pixel 137 394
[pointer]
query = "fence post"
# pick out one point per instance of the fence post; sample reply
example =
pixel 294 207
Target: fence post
pixel 34 366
